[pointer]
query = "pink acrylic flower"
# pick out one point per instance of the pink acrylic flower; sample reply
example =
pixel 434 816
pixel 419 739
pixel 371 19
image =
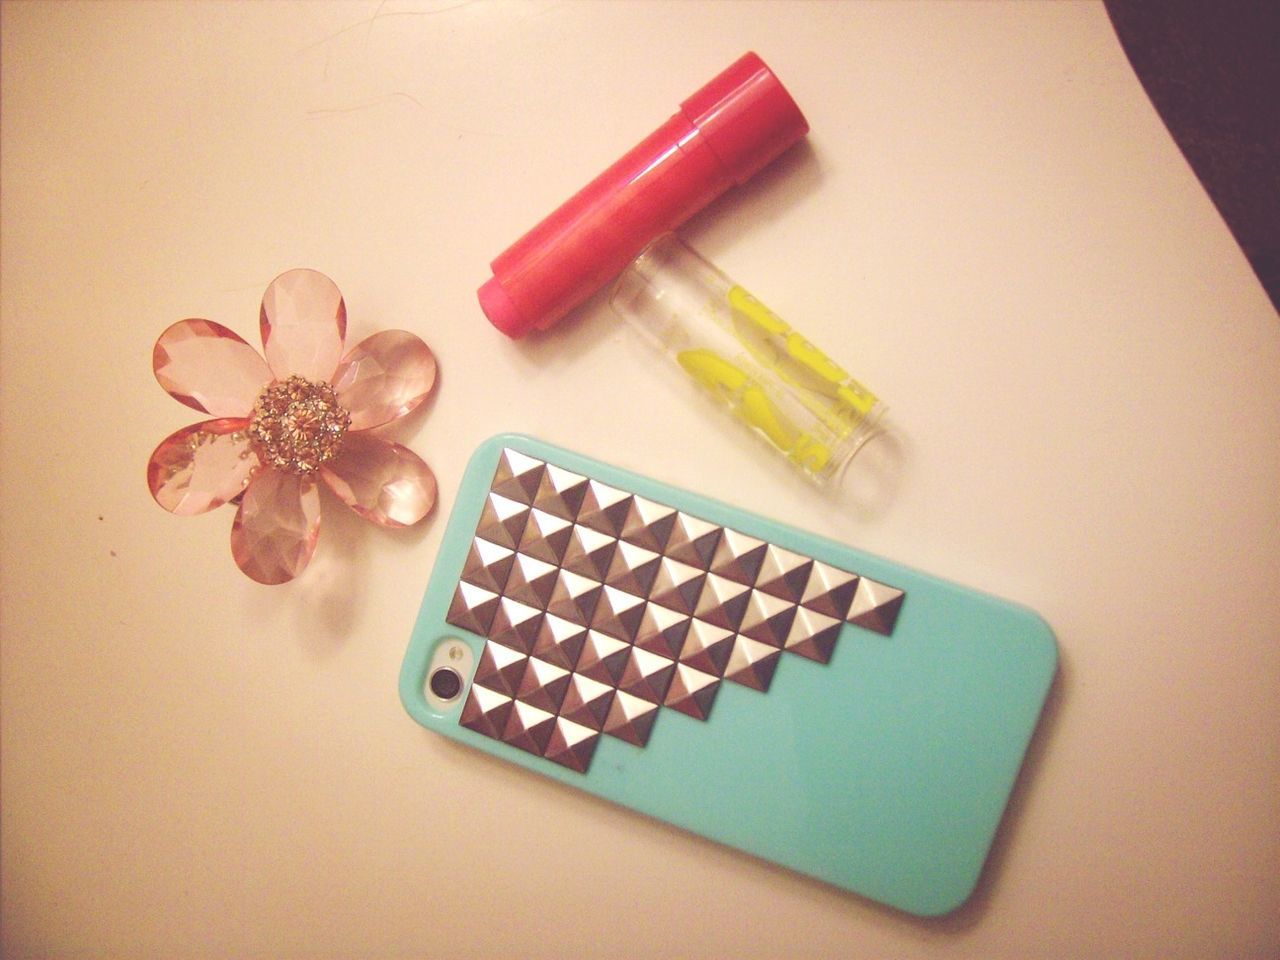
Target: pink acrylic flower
pixel 282 424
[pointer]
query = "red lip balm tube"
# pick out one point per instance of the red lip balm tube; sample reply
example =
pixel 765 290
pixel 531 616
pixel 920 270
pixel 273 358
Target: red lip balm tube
pixel 721 136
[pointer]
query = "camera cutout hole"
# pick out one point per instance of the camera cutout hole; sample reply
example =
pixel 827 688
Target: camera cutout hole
pixel 448 673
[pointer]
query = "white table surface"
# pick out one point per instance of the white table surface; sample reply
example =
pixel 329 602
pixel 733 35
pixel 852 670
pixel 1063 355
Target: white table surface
pixel 988 224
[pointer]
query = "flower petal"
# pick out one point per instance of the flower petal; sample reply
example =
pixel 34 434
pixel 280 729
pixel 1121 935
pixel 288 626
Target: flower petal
pixel 383 482
pixel 304 323
pixel 208 367
pixel 384 377
pixel 276 527
pixel 201 466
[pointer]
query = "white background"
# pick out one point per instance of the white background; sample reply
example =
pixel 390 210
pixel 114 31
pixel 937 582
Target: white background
pixel 988 225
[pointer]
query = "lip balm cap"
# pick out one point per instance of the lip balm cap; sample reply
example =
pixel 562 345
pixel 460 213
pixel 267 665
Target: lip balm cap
pixel 502 313
pixel 746 116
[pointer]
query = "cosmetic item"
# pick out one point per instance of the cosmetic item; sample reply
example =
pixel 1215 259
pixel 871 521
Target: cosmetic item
pixel 788 391
pixel 721 136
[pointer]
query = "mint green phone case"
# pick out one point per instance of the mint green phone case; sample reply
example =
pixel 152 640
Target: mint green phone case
pixel 821 708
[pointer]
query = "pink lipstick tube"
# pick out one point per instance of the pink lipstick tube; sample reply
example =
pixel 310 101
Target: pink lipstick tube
pixel 721 136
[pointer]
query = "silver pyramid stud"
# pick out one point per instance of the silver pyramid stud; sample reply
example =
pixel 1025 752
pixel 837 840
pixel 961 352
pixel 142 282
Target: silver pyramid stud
pixel 543 685
pixel 586 701
pixel 545 536
pixel 486 711
pixel 693 541
pixel 647 675
pixel 603 658
pixel 472 608
pixel 738 557
pixel 515 625
pixel 813 635
pixel 500 669
pixel 723 602
pixel 707 647
pixel 571 745
pixel 662 631
pixel 875 606
pixel 630 718
pixel 829 590
pixel 677 586
pixel 559 641
pixel 502 521
pixel 528 727
pixel 633 569
pixel 784 574
pixel 648 524
pixel 574 598
pixel 532 581
pixel 604 508
pixel 518 476
pixel 768 618
pixel 488 565
pixel 618 614
pixel 692 691
pixel 589 552
pixel 561 492
pixel 752 663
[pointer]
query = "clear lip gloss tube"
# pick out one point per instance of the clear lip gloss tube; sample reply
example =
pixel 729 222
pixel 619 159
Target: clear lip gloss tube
pixel 788 391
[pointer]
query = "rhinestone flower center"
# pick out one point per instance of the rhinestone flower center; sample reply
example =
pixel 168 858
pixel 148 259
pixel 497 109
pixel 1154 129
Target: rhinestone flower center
pixel 297 425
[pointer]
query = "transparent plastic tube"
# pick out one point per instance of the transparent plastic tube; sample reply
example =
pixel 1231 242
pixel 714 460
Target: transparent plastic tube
pixel 764 373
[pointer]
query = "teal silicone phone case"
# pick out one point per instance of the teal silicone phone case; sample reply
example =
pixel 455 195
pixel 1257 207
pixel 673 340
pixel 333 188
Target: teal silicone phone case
pixel 786 695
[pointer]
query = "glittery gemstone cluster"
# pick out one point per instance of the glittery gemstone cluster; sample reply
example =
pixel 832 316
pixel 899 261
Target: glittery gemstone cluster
pixel 297 425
